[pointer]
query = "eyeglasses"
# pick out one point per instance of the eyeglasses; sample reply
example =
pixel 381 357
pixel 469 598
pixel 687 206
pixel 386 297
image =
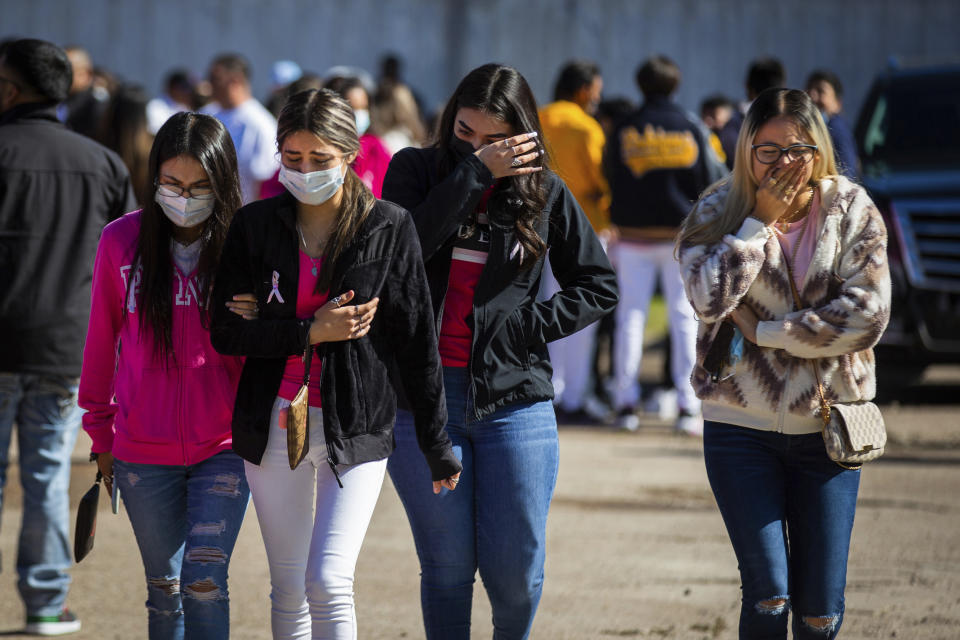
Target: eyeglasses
pixel 173 190
pixel 770 153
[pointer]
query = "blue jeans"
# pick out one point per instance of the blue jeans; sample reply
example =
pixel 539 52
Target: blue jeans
pixel 495 521
pixel 789 512
pixel 44 408
pixel 186 520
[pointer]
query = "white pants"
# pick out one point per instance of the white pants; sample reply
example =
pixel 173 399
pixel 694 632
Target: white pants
pixel 637 268
pixel 571 357
pixel 312 548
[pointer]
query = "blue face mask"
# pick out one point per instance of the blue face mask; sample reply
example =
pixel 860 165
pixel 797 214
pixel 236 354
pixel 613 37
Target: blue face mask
pixel 736 347
pixel 362 117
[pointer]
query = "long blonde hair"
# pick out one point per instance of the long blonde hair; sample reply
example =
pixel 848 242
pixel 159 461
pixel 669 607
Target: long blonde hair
pixel 741 184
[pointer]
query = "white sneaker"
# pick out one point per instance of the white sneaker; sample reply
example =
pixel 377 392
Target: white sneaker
pixel 689 425
pixel 596 409
pixel 57 625
pixel 663 404
pixel 628 420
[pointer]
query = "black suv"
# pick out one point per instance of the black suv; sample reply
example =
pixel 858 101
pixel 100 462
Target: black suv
pixel 908 134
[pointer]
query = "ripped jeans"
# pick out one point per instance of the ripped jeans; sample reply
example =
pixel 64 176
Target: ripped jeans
pixel 186 520
pixel 789 513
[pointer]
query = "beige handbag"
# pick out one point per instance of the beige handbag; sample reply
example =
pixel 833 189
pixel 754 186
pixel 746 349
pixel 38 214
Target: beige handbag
pixel 853 433
pixel 298 417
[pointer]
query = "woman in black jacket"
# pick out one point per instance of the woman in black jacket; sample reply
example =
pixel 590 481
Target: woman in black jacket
pixel 340 271
pixel 488 214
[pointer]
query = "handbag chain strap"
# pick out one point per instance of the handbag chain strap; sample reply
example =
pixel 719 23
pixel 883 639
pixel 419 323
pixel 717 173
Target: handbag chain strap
pixel 824 407
pixel 307 358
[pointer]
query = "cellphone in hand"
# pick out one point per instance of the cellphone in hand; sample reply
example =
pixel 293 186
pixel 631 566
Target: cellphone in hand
pixel 115 498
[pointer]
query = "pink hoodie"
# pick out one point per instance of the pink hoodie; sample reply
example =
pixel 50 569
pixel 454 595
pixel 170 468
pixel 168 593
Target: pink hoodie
pixel 139 408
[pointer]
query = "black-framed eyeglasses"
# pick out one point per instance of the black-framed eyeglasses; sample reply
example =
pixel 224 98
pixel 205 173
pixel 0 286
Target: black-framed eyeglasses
pixel 769 153
pixel 174 190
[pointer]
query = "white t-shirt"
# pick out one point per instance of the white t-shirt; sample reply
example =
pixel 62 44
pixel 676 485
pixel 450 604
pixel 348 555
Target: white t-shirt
pixel 159 111
pixel 254 133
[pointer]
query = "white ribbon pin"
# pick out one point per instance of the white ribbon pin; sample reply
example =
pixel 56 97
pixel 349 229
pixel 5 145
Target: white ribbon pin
pixel 275 291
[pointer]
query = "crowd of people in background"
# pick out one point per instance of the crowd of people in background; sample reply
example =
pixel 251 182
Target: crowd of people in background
pixel 529 227
pixel 595 371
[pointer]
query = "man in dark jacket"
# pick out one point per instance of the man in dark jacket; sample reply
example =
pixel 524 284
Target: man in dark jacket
pixel 57 190
pixel 658 160
pixel 826 91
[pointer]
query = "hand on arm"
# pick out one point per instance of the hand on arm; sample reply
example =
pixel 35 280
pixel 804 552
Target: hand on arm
pixel 334 321
pixel 244 305
pixel 746 320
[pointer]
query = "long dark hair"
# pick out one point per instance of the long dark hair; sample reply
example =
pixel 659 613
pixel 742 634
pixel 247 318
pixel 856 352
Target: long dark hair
pixel 204 138
pixel 124 129
pixel 501 92
pixel 328 116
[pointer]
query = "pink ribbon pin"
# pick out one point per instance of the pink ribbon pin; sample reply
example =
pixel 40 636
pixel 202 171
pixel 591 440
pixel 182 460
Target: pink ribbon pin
pixel 275 291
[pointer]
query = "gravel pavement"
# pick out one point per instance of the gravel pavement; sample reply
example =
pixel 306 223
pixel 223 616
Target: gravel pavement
pixel 636 546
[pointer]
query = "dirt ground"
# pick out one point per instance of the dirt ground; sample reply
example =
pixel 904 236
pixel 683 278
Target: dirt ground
pixel 636 546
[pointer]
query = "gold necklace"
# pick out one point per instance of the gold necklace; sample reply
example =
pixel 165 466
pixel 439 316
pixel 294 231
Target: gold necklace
pixel 784 225
pixel 796 245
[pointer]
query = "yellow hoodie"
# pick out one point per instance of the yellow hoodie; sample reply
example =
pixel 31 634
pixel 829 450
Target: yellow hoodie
pixel 575 143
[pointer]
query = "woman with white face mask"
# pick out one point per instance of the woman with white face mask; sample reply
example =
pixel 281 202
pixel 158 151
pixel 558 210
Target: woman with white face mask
pixel 374 157
pixel 337 274
pixel 159 407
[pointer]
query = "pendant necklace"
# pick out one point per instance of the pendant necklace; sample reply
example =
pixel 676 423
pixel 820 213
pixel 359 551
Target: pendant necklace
pixel 313 260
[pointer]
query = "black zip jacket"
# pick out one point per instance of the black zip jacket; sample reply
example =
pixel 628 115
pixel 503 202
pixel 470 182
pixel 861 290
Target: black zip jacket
pixel 359 400
pixel 508 358
pixel 57 191
pixel 658 161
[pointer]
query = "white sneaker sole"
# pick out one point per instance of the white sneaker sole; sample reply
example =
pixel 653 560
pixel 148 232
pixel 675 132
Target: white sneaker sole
pixel 52 628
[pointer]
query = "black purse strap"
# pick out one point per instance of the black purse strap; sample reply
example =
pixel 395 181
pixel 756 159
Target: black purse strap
pixel 307 358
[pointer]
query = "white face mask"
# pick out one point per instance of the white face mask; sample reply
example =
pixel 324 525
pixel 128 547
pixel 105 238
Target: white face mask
pixel 185 212
pixel 312 188
pixel 362 117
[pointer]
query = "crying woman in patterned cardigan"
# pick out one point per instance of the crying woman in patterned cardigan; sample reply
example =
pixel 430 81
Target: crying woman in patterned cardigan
pixel 784 212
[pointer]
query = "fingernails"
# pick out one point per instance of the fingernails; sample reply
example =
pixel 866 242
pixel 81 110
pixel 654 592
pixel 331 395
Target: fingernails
pixel 533 134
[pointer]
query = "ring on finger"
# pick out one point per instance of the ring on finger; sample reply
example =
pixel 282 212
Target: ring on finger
pixel 516 162
pixel 336 301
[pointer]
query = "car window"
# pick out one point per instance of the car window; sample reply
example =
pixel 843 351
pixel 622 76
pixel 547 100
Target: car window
pixel 915 121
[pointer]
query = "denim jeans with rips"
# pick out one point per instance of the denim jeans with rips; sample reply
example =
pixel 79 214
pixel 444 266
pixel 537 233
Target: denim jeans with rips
pixel 44 409
pixel 494 522
pixel 789 513
pixel 186 520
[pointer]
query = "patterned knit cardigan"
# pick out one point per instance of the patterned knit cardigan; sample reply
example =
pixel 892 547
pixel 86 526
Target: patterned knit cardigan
pixel 846 295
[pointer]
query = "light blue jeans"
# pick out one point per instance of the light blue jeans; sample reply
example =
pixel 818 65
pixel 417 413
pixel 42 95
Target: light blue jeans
pixel 186 520
pixel 44 408
pixel 495 521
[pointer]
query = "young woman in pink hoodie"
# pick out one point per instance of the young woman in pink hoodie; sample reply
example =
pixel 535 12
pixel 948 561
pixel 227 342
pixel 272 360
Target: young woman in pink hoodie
pixel 159 398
